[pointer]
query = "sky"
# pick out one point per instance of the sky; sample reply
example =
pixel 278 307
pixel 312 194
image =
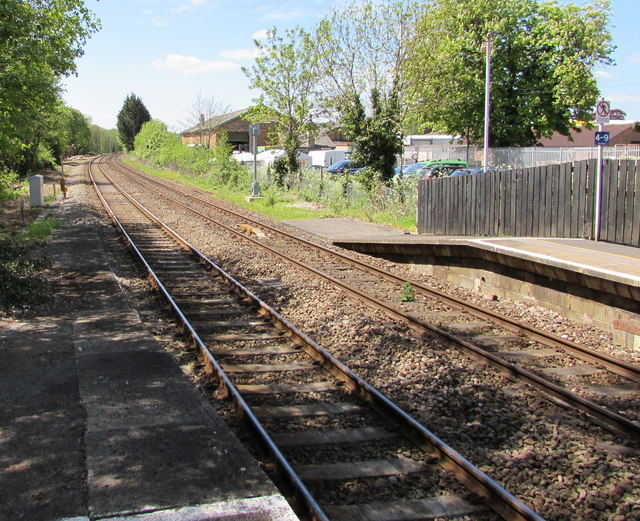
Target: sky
pixel 169 52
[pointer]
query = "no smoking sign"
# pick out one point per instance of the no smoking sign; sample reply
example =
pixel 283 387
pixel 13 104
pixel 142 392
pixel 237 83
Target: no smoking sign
pixel 603 110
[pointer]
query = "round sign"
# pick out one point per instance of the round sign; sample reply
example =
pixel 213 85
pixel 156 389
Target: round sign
pixel 602 110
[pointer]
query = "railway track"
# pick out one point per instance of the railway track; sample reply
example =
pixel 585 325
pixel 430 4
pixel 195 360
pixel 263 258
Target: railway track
pixel 345 450
pixel 602 387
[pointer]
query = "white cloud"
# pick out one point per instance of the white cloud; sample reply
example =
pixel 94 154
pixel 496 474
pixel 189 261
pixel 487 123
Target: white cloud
pixel 634 58
pixel 190 65
pixel 260 35
pixel 158 23
pixel 604 74
pixel 240 54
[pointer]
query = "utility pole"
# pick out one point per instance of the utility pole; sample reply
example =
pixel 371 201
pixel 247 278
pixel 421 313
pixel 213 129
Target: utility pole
pixel 602 117
pixel 254 131
pixel 486 46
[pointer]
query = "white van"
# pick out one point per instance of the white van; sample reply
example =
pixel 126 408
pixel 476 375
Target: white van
pixel 325 158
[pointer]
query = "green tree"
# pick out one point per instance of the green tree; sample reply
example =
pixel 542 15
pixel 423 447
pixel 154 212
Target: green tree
pixel 131 117
pixel 152 137
pixel 39 43
pixel 541 67
pixel 65 133
pixel 104 141
pixel 362 50
pixel 75 133
pixel 376 138
pixel 286 75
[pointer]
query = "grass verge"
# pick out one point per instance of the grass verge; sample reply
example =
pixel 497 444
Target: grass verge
pixel 279 205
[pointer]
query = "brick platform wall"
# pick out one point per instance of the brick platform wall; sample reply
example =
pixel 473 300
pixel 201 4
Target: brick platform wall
pixel 623 325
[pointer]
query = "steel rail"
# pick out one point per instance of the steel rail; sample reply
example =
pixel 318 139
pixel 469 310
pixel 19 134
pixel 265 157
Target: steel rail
pixel 620 367
pixel 602 415
pixel 503 503
pixel 228 390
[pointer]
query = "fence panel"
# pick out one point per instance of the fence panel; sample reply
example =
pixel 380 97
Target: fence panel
pixel 568 197
pixel 580 186
pixel 590 173
pixel 609 193
pixel 523 190
pixel 620 202
pixel 538 202
pixel 629 190
pixel 544 201
pixel 635 232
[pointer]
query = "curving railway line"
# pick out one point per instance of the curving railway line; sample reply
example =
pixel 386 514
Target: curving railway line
pixel 604 388
pixel 345 450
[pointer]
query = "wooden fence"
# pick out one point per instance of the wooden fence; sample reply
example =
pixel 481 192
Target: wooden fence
pixel 549 201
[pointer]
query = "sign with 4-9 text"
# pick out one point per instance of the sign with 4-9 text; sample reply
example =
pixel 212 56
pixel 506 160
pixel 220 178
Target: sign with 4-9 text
pixel 602 139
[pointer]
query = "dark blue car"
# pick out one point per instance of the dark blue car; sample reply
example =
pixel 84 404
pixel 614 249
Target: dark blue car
pixel 346 166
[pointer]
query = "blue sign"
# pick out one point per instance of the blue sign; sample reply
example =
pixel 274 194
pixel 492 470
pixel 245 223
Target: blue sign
pixel 602 139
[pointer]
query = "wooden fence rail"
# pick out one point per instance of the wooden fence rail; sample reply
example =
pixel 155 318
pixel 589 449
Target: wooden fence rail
pixel 548 201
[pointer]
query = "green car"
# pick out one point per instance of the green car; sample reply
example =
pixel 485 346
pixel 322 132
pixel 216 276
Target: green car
pixel 440 168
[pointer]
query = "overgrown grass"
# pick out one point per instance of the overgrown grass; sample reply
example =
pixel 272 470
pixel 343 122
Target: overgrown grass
pixel 313 199
pixel 41 230
pixel 22 262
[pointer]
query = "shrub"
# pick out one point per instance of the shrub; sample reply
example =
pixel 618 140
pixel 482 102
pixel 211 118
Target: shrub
pixel 21 272
pixel 8 180
pixel 153 136
pixel 279 171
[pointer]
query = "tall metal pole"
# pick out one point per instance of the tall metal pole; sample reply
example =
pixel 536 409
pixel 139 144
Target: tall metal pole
pixel 255 187
pixel 598 202
pixel 254 131
pixel 487 101
pixel 602 117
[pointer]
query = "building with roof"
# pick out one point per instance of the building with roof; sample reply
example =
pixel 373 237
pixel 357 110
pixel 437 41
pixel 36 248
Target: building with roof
pixel 621 132
pixel 207 133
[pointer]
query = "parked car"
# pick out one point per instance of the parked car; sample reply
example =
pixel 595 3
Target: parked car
pixel 466 171
pixel 441 168
pixel 408 170
pixel 346 166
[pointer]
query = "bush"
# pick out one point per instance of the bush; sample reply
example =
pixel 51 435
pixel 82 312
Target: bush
pixel 153 136
pixel 225 168
pixel 8 181
pixel 279 171
pixel 369 178
pixel 163 148
pixel 21 271
pixel 45 158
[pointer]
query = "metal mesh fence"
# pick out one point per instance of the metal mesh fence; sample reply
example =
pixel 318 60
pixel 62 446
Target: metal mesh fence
pixel 519 157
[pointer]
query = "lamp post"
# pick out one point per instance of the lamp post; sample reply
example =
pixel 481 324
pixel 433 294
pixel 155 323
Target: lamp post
pixel 254 131
pixel 486 46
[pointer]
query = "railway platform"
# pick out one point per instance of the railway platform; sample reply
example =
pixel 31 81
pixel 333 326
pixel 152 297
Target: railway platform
pixel 594 282
pixel 98 421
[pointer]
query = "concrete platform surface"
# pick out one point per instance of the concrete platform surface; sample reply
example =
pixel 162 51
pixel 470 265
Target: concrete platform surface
pixel 596 258
pixel 97 421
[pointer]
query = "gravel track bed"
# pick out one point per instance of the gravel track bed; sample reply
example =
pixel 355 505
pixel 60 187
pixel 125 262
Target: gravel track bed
pixel 553 460
pixel 625 405
pixel 533 315
pixel 351 421
pixel 536 316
